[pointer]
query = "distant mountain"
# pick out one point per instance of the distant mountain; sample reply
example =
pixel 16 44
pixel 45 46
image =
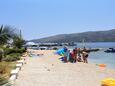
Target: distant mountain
pixel 91 36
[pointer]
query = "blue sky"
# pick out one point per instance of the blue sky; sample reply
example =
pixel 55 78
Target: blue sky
pixel 42 18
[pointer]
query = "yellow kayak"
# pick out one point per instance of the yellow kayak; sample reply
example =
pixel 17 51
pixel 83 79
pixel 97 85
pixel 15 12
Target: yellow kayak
pixel 108 82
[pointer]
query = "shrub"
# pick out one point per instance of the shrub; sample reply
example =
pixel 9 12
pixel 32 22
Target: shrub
pixel 9 51
pixel 1 54
pixel 3 80
pixel 12 57
pixel 5 69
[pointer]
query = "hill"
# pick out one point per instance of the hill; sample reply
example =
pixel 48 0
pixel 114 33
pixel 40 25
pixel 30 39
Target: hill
pixel 91 36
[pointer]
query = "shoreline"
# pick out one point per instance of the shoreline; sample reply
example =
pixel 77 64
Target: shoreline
pixel 48 70
pixel 91 63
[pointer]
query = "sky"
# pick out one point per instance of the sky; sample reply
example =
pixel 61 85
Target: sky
pixel 42 18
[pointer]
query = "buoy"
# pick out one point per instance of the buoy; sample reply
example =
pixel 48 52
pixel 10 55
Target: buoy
pixel 102 65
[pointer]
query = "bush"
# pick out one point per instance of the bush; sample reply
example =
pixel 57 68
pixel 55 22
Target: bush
pixel 3 80
pixel 1 54
pixel 12 57
pixel 9 51
pixel 5 69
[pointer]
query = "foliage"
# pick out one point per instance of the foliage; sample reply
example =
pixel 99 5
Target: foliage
pixel 5 69
pixel 18 41
pixel 12 57
pixel 12 54
pixel 7 54
pixel 1 54
pixel 3 80
pixel 8 37
pixel 13 50
pixel 6 33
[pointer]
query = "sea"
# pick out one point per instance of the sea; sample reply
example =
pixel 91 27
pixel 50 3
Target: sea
pixel 100 57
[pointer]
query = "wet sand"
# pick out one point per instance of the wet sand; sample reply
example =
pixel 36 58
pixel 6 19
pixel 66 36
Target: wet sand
pixel 48 70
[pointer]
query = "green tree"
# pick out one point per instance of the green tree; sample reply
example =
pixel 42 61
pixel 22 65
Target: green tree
pixel 6 33
pixel 18 41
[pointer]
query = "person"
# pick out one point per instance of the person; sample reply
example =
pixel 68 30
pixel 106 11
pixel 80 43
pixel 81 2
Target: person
pixel 85 56
pixel 76 52
pixel 65 49
pixel 84 49
pixel 79 59
pixel 71 57
pixel 79 51
pixel 66 55
pixel 79 55
pixel 74 55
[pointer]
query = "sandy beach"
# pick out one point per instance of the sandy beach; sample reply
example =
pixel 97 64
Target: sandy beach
pixel 48 70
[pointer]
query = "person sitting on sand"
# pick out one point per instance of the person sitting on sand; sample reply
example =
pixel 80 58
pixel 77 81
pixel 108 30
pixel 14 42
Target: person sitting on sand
pixel 85 56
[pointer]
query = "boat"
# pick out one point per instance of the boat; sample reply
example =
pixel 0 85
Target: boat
pixel 92 50
pixel 110 50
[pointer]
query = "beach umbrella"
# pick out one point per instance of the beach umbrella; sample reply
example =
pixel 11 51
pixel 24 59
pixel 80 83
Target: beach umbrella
pixel 60 51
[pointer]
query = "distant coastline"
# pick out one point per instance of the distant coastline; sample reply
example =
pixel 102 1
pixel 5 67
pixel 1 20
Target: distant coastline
pixel 91 36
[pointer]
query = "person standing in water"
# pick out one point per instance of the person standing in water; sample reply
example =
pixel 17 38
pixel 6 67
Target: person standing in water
pixel 74 55
pixel 79 55
pixel 85 56
pixel 68 55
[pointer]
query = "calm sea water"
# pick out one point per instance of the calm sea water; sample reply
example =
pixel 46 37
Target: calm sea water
pixel 97 45
pixel 100 57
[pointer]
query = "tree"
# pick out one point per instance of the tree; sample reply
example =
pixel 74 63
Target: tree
pixel 18 41
pixel 6 33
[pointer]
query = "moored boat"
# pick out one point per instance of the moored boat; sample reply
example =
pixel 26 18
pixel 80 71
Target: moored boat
pixel 110 50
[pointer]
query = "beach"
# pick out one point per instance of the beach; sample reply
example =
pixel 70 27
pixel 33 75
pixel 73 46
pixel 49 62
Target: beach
pixel 48 70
